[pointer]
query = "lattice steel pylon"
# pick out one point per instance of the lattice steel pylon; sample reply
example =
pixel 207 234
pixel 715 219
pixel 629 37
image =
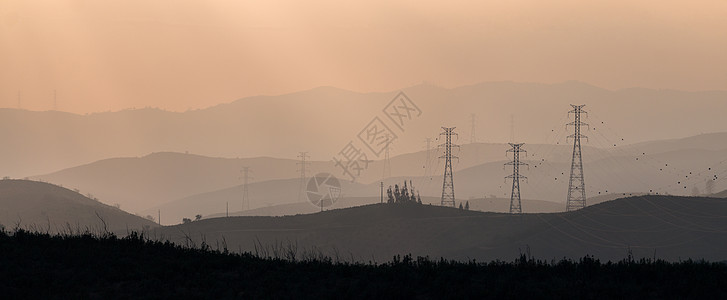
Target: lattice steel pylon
pixel 448 182
pixel 245 194
pixel 576 185
pixel 515 203
pixel 303 173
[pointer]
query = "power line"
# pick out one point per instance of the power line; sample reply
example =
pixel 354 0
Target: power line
pixel 515 202
pixel 576 185
pixel 448 182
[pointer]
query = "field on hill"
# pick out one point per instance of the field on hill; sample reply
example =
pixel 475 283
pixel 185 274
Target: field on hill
pixel 665 227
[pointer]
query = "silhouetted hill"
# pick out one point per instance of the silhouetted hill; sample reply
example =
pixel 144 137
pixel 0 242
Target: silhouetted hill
pixel 722 194
pixel 40 266
pixel 142 183
pixel 709 141
pixel 139 183
pixel 262 194
pixel 502 205
pixel 484 205
pixel 610 197
pixel 44 206
pixel 251 127
pixel 185 184
pixel 667 227
pixel 273 198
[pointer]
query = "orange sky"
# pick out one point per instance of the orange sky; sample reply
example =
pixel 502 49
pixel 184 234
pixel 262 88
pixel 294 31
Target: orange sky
pixel 178 54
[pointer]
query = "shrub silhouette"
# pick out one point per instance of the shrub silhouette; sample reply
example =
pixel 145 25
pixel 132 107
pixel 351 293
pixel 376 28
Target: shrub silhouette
pixel 85 265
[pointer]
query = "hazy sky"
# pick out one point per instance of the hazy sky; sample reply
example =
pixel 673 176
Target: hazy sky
pixel 178 54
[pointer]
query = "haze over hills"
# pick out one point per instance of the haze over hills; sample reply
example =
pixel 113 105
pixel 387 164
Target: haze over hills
pixel 233 130
pixel 184 185
pixel 47 207
pixel 139 183
pixel 667 227
pixel 262 194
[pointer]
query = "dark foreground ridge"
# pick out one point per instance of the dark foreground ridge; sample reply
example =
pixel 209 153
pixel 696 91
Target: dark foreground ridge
pixel 38 265
pixel 672 228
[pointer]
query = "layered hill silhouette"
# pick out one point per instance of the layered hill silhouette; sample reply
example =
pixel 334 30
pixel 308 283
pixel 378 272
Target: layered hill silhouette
pixel 47 207
pixel 263 195
pixel 234 129
pixel 665 227
pixel 141 183
pixel 183 185
pixel 608 178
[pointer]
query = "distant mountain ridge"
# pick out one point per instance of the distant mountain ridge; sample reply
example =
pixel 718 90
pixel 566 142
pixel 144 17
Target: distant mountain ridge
pixel 323 120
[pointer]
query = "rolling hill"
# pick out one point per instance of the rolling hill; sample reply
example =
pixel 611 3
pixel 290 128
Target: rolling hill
pixel 183 185
pixel 262 194
pixel 666 227
pixel 244 128
pixel 141 184
pixel 47 207
pixel 500 205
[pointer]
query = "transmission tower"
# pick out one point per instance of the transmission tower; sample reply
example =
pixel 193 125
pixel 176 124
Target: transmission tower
pixel 387 160
pixel 576 185
pixel 448 182
pixel 245 180
pixel 515 204
pixel 303 173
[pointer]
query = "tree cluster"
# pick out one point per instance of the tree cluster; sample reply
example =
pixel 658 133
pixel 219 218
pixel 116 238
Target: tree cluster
pixel 405 194
pixel 466 206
